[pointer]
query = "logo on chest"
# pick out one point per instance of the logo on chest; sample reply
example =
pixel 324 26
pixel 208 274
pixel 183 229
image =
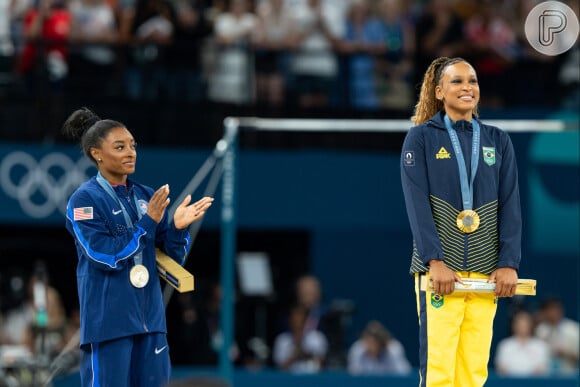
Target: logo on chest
pixel 442 154
pixel 489 155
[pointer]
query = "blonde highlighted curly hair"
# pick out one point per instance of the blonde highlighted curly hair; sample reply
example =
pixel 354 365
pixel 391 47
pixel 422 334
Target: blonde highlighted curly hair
pixel 428 105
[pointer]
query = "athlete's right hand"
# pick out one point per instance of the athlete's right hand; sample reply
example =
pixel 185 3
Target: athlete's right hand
pixel 443 277
pixel 158 203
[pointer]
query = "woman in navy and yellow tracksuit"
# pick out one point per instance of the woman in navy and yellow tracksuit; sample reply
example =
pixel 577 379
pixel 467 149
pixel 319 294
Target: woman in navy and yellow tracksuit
pixel 460 184
pixel 117 224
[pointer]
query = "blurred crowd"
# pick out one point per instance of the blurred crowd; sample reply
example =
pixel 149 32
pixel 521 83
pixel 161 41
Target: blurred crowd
pixel 360 54
pixel 542 342
pixel 39 337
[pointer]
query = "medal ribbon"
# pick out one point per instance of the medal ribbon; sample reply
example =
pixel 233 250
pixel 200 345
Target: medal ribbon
pixel 466 186
pixel 138 258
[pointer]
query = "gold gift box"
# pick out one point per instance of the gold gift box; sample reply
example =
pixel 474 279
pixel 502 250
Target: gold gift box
pixel 525 287
pixel 173 273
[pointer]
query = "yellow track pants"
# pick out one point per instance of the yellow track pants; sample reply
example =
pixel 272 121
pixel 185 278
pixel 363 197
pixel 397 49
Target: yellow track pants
pixel 455 333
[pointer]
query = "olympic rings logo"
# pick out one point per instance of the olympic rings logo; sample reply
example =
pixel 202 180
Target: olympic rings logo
pixel 42 187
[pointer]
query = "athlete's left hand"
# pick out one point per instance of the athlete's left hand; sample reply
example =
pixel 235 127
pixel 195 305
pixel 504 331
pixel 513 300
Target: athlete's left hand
pixel 186 213
pixel 506 281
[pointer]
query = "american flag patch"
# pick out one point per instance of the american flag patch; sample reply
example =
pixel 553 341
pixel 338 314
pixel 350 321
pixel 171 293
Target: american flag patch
pixel 83 213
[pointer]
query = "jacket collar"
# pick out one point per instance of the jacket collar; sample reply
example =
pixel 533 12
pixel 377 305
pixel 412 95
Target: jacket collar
pixel 438 121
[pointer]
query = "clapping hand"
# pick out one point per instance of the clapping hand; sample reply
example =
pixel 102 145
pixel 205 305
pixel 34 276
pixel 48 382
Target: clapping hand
pixel 186 213
pixel 158 203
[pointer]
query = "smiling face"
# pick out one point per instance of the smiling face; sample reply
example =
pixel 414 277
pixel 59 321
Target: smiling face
pixel 458 90
pixel 116 155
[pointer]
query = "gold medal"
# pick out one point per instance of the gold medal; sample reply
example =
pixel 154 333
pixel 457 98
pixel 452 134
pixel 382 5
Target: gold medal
pixel 139 276
pixel 468 221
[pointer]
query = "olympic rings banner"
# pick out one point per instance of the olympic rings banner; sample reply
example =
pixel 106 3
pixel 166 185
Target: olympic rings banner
pixel 35 182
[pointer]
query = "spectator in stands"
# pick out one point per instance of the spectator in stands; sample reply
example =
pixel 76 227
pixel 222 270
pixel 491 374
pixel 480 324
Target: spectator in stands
pixel 94 35
pixel 44 58
pixel 232 77
pixel 215 8
pixel 561 334
pixel 309 296
pixel 396 65
pixel 466 9
pixel 16 12
pixel 184 56
pixel 376 352
pixel 39 324
pixel 522 354
pixel 526 88
pixel 439 32
pixel 271 42
pixel 49 340
pixel 362 43
pixel 42 64
pixel 17 307
pixel 314 67
pixel 330 319
pixel 6 45
pixel 299 350
pixel 492 49
pixel 147 29
pixel 307 293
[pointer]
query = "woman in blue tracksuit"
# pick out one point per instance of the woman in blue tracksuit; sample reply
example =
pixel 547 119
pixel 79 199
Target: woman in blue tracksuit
pixel 460 183
pixel 117 224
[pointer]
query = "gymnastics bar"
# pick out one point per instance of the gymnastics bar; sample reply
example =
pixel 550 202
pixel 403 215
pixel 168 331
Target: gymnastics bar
pixel 375 125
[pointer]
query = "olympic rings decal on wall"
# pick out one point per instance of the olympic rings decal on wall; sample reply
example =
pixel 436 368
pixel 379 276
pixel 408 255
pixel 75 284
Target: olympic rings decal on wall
pixel 42 187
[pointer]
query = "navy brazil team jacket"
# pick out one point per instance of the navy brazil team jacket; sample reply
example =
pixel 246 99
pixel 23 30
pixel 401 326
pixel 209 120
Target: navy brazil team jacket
pixel 431 187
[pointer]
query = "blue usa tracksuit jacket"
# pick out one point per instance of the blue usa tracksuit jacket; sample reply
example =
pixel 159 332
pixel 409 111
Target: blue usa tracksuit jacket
pixel 431 187
pixel 110 306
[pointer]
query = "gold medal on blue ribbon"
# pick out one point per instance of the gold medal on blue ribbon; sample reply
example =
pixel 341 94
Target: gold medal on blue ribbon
pixel 139 276
pixel 468 221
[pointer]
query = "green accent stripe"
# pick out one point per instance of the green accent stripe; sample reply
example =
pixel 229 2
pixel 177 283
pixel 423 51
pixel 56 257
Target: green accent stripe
pixel 482 244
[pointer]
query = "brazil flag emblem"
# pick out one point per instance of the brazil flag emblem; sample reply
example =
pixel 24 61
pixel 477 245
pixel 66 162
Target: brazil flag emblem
pixel 489 155
pixel 437 300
